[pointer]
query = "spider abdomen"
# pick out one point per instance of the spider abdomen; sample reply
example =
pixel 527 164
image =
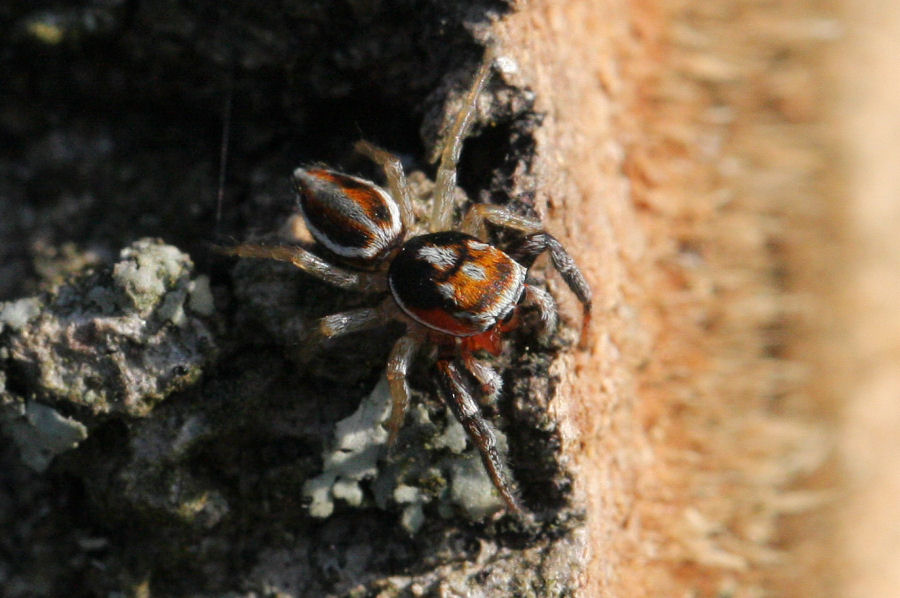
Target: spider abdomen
pixel 352 217
pixel 454 283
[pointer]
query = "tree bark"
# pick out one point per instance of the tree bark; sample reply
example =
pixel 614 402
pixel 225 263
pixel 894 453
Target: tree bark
pixel 684 143
pixel 189 444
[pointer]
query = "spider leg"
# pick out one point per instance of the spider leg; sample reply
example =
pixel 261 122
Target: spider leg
pixel 474 221
pixel 398 366
pixel 354 320
pixel 546 307
pixel 537 243
pixel 445 181
pixel 479 430
pixel 346 322
pixel 491 382
pixel 363 282
pixel 393 172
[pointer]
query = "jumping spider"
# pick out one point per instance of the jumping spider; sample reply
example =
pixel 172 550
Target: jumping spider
pixel 450 287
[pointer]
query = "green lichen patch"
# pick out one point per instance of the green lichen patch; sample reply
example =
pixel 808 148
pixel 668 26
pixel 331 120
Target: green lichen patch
pixel 114 341
pixel 147 274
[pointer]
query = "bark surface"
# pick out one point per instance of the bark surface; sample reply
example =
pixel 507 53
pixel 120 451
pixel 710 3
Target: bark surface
pixel 166 431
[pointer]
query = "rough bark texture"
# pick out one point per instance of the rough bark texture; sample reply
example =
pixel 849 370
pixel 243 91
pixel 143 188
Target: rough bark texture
pixel 683 143
pixel 165 431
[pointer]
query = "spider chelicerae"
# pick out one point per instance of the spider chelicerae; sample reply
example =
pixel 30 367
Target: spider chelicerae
pixel 451 287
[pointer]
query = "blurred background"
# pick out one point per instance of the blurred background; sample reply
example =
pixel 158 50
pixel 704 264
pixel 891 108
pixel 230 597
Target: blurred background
pixel 866 350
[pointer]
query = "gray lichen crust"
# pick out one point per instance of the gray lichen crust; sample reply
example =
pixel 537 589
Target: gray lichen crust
pixel 40 432
pixel 441 471
pixel 114 341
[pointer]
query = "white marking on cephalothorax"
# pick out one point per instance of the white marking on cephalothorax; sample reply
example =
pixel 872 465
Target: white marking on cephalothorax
pixel 507 295
pixel 504 300
pixel 442 258
pixel 447 290
pixel 476 245
pixel 474 271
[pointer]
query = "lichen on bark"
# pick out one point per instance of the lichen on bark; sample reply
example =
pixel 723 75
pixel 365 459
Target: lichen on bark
pixel 207 418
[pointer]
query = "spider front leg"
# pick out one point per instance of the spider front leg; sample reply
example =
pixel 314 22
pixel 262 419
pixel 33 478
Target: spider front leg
pixel 546 307
pixel 364 282
pixel 474 221
pixel 490 381
pixel 465 409
pixel 535 242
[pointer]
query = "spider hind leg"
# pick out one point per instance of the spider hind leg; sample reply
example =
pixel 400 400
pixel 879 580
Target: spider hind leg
pixel 398 366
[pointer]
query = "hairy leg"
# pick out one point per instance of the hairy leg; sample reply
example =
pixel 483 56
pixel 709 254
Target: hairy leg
pixel 474 221
pixel 537 243
pixel 488 378
pixel 347 322
pixel 479 430
pixel 398 366
pixel 445 182
pixel 393 172
pixel 364 282
pixel 546 307
pixel 354 320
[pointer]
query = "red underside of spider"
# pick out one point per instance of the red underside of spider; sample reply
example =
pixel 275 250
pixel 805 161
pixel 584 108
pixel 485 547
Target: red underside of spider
pixel 450 287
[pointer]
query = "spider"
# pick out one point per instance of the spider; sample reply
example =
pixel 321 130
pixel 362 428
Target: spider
pixel 450 287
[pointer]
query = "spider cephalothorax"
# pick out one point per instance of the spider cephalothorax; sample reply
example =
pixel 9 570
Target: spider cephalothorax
pixel 451 287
